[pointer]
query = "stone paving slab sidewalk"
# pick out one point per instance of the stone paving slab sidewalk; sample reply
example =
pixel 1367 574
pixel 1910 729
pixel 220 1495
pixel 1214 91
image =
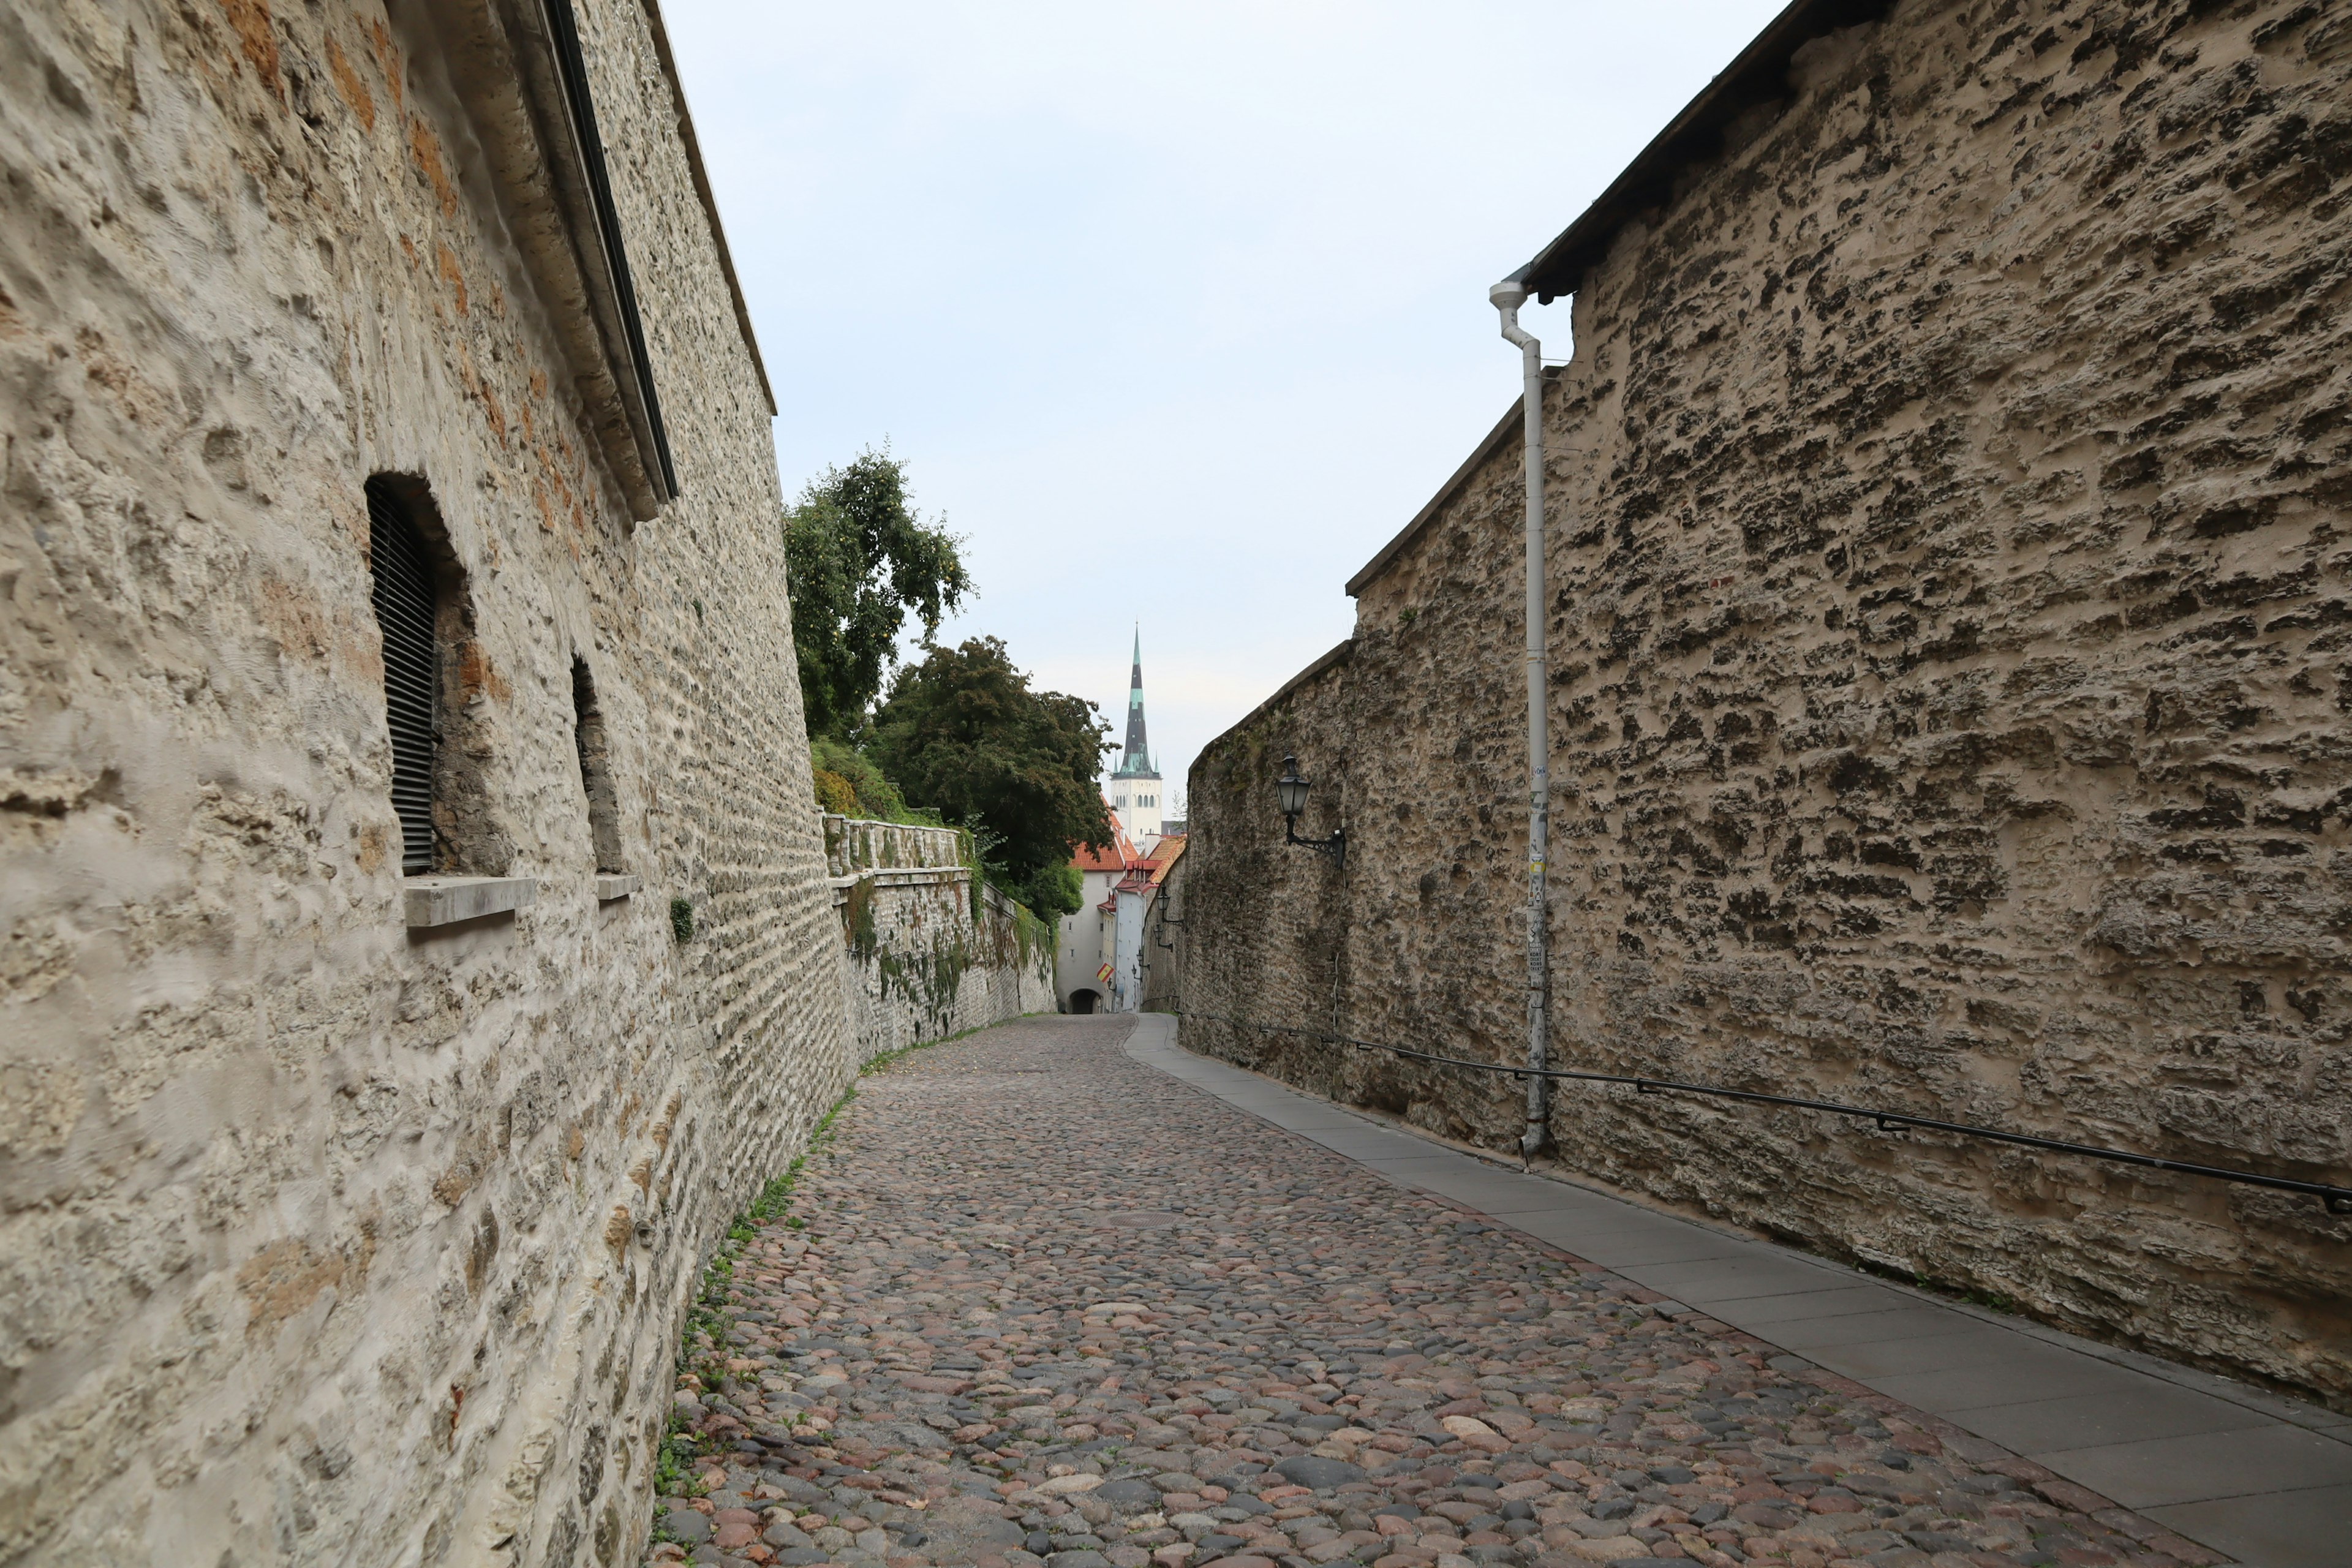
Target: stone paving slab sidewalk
pixel 1037 1301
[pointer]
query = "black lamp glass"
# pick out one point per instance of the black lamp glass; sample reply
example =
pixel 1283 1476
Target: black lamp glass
pixel 1291 788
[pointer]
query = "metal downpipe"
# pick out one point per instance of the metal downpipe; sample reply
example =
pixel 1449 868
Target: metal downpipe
pixel 1507 296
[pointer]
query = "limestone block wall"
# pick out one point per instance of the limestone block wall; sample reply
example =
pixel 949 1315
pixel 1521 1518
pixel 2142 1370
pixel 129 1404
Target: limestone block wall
pixel 852 844
pixel 1160 987
pixel 921 958
pixel 322 1240
pixel 1949 688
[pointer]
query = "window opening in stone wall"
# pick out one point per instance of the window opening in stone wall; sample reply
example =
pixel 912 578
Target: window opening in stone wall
pixel 595 769
pixel 405 613
pixel 445 698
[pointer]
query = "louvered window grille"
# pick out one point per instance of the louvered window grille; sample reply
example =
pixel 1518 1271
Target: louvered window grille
pixel 404 612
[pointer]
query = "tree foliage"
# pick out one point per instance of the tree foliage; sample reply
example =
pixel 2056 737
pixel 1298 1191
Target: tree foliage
pixel 847 781
pixel 964 734
pixel 1053 892
pixel 859 560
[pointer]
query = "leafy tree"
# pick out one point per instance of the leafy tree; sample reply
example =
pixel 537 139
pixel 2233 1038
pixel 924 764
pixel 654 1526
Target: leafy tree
pixel 859 559
pixel 848 782
pixel 964 734
pixel 1053 892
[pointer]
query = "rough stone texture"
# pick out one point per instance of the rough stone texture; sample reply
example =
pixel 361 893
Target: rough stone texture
pixel 323 1241
pixel 1161 987
pixel 854 844
pixel 1037 1301
pixel 922 955
pixel 1949 686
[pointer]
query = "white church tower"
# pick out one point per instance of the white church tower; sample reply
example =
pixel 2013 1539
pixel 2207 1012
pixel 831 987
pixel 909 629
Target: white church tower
pixel 1135 788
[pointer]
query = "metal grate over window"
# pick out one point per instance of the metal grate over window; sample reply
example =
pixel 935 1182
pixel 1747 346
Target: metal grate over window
pixel 403 611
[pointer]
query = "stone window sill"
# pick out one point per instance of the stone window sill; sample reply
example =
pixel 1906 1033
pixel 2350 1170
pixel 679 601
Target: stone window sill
pixel 611 885
pixel 445 900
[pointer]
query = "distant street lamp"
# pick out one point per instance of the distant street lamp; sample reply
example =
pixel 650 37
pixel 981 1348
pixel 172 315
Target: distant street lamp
pixel 1291 789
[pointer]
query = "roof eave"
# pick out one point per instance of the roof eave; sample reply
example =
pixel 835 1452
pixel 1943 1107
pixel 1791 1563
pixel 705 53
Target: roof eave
pixel 1496 438
pixel 520 81
pixel 1338 655
pixel 1760 74
pixel 709 202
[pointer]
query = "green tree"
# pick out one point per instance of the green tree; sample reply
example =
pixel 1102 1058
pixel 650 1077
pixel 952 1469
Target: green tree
pixel 964 734
pixel 1053 892
pixel 858 560
pixel 848 782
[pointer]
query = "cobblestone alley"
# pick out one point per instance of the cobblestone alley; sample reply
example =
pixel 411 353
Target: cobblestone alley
pixel 1035 1299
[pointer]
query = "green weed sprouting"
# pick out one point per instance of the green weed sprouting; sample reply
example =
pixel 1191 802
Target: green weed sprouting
pixel 702 1337
pixel 857 920
pixel 681 921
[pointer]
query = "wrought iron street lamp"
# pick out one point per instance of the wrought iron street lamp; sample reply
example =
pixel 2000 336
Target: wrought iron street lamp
pixel 1291 789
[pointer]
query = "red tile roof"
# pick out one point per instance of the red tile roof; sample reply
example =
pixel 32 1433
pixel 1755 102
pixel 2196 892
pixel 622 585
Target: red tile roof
pixel 1164 856
pixel 1119 857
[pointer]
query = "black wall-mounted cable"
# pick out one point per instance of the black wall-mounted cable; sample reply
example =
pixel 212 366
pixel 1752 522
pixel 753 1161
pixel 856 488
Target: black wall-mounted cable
pixel 2338 1200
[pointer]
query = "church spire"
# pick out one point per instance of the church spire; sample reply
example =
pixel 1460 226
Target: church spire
pixel 1135 758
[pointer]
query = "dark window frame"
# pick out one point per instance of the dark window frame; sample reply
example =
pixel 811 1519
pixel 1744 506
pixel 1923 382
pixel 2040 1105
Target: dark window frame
pixel 406 599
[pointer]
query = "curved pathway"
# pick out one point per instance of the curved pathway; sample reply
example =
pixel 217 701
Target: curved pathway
pixel 1035 1298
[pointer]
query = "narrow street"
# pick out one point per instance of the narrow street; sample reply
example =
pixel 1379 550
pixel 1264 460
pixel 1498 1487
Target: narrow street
pixel 1035 1298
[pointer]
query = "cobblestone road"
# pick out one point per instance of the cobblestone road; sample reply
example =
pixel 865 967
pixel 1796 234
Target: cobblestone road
pixel 1035 1299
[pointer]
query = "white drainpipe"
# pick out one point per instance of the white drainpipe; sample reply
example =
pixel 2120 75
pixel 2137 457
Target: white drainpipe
pixel 1507 296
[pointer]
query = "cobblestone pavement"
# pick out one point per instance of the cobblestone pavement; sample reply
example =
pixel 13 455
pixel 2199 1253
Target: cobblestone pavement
pixel 1037 1300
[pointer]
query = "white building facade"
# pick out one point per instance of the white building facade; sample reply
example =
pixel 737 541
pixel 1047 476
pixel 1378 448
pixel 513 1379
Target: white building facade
pixel 1084 946
pixel 1102 954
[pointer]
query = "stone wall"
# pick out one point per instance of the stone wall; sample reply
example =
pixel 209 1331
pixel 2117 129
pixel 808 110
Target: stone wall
pixel 1162 985
pixel 921 956
pixel 852 844
pixel 1950 679
pixel 322 1240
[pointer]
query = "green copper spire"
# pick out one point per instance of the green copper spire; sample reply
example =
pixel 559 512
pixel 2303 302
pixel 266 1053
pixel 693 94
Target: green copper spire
pixel 1135 758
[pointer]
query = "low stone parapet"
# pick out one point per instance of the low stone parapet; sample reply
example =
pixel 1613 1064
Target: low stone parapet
pixel 926 950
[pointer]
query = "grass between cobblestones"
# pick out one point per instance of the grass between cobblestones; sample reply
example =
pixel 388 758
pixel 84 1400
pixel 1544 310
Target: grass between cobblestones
pixel 1038 1306
pixel 702 1337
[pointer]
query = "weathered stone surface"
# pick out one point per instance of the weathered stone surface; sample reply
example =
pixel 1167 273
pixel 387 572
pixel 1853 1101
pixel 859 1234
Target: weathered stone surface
pixel 1129 1495
pixel 1318 1474
pixel 1949 593
pixel 445 900
pixel 923 956
pixel 326 1242
pixel 938 1229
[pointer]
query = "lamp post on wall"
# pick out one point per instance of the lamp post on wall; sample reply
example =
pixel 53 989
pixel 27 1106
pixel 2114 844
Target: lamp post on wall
pixel 1290 789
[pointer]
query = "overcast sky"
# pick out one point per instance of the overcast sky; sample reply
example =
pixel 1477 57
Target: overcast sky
pixel 1176 312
